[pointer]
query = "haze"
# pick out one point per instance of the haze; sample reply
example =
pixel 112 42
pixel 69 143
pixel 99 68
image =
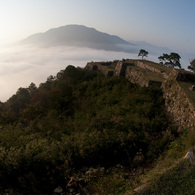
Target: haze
pixel 162 23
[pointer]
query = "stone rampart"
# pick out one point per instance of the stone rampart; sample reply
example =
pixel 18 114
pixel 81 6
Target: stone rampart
pixel 136 77
pixel 178 103
pixel 151 68
pixel 120 69
pixel 101 67
pixel 181 75
pixel 148 67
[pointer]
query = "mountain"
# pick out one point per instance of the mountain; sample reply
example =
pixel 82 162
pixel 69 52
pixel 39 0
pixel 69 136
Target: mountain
pixel 79 36
pixel 82 36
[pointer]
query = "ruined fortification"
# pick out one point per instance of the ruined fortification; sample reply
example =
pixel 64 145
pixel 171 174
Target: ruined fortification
pixel 176 85
pixel 179 98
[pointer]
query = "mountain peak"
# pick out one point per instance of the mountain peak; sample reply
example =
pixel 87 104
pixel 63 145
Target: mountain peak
pixel 79 36
pixel 71 27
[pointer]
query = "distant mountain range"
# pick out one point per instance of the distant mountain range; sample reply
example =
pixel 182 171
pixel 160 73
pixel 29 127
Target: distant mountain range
pixel 82 36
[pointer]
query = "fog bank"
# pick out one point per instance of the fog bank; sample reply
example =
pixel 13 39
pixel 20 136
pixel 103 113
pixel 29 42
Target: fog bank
pixel 21 65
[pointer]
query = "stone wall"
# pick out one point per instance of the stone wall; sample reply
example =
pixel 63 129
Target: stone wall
pixel 120 69
pixel 151 68
pixel 148 67
pixel 178 104
pixel 101 67
pixel 136 77
pixel 181 75
pixel 91 66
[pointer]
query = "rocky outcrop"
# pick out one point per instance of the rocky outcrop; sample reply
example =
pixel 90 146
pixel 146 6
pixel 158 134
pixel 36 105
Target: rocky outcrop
pixel 141 189
pixel 190 156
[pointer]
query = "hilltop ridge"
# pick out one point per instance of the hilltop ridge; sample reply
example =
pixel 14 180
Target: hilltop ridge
pixel 177 85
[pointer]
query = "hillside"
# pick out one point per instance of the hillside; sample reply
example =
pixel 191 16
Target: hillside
pixel 177 85
pixel 118 127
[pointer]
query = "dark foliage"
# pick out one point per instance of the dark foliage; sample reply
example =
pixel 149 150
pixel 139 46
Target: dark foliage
pixel 171 60
pixel 192 66
pixel 74 120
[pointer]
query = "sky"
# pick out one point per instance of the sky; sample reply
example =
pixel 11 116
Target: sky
pixel 168 23
pixel 165 23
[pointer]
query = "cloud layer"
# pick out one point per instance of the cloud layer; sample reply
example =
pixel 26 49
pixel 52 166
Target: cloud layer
pixel 21 65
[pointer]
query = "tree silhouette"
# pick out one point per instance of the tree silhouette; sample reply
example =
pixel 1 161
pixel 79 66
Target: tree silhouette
pixel 164 58
pixel 143 53
pixel 192 65
pixel 173 59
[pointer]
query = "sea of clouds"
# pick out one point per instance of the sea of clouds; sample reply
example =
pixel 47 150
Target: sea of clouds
pixel 21 65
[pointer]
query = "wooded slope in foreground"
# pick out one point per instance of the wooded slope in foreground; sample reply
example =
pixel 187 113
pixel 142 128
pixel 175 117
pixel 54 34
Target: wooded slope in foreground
pixel 80 132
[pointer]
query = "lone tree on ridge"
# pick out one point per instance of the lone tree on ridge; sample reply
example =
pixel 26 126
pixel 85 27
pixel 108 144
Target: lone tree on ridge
pixel 143 53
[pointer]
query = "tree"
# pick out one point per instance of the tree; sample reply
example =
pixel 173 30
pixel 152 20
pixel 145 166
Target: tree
pixel 32 88
pixel 164 58
pixel 143 53
pixel 192 65
pixel 173 59
pixel 19 100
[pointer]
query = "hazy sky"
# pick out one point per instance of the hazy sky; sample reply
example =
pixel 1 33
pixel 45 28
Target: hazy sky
pixel 168 23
